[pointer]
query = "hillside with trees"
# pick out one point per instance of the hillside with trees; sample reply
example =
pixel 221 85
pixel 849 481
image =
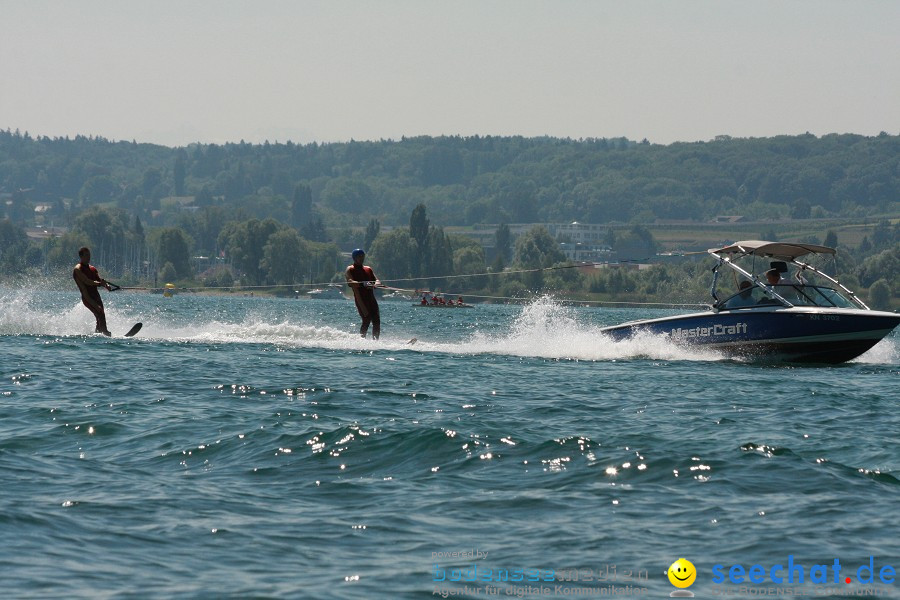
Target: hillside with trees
pixel 281 213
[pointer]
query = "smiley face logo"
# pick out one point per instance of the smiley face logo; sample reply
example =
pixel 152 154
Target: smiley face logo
pixel 682 573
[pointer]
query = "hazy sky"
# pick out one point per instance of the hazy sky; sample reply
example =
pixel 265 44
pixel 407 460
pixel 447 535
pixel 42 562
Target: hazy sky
pixel 182 71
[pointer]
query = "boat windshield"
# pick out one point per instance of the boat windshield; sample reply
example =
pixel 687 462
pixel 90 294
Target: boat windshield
pixel 798 295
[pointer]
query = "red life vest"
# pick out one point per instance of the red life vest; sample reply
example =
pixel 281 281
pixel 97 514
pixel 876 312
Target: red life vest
pixel 90 271
pixel 363 273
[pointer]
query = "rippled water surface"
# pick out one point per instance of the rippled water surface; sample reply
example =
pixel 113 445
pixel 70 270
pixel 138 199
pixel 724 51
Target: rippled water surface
pixel 253 447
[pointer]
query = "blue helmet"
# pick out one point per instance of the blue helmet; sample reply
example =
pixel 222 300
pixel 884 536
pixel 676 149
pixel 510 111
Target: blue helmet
pixel 358 252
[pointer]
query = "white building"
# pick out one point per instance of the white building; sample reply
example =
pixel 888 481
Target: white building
pixel 586 233
pixel 589 253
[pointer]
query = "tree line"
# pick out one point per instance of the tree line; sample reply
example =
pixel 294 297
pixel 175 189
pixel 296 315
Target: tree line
pixel 260 253
pixel 283 213
pixel 462 180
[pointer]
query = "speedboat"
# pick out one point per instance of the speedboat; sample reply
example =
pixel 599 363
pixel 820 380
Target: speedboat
pixel 807 316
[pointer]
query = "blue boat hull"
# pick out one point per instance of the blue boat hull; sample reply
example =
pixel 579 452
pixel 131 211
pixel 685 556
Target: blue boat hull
pixel 781 334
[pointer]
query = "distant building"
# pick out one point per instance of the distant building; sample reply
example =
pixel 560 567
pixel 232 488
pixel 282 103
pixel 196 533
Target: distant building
pixel 587 233
pixel 588 253
pixel 580 242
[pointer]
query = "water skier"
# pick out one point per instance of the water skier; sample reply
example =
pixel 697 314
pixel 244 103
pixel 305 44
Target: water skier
pixel 88 280
pixel 363 282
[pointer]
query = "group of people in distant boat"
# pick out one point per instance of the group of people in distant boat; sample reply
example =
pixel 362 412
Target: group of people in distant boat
pixel 429 299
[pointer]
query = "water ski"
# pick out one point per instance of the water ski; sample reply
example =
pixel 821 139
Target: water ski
pixel 134 329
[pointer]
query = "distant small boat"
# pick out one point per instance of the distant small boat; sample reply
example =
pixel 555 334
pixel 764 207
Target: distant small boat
pixel 397 295
pixel 437 301
pixel 328 293
pixel 443 305
pixel 454 305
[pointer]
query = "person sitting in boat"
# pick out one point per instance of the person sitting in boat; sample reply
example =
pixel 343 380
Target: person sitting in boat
pixel 773 277
pixel 744 297
pixel 459 301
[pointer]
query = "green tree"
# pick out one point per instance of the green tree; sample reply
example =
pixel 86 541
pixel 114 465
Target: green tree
pixel 498 266
pixel 14 249
pixel 10 235
pixel 62 252
pixel 204 226
pixel 393 254
pixel 168 273
pixel 801 209
pixel 517 197
pixel 882 235
pixel 173 246
pixel 636 245
pixel 503 243
pixel 135 248
pixel 301 206
pixel 221 277
pixel 314 230
pixel 33 256
pixel 418 226
pixel 470 260
pixel 372 230
pixel 283 257
pixel 441 165
pixel 865 246
pixel 226 279
pixel 610 238
pixel 418 231
pixel 178 172
pixel 438 256
pixel 97 189
pixel 244 244
pixel 536 249
pixel 831 239
pixel 880 295
pixel 643 234
pixel 107 229
pixel 323 262
pixel 348 196
pixel 769 235
pixel 204 197
pixel 878 266
pixel 618 281
pixel 152 184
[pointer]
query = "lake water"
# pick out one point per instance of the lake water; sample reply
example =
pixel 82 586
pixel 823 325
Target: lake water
pixel 257 447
